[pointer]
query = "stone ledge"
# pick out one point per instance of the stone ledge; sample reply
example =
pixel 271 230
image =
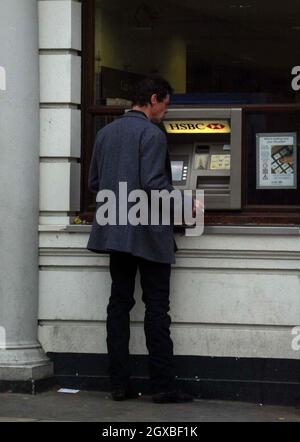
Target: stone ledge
pixel 209 230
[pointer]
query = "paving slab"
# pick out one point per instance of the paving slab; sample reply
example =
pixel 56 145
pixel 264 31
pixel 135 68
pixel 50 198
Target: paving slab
pixel 92 406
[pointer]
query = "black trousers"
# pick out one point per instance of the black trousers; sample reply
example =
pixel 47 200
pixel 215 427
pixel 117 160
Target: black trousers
pixel 155 282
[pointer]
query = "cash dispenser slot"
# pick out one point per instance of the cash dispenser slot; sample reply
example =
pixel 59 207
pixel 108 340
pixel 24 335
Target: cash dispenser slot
pixel 214 184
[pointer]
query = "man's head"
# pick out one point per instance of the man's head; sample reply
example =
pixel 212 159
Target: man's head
pixel 152 96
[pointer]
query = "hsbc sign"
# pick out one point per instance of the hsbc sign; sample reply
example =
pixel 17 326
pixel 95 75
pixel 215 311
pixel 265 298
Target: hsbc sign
pixel 197 126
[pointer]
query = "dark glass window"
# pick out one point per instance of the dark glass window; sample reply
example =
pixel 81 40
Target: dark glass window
pixel 213 53
pixel 216 47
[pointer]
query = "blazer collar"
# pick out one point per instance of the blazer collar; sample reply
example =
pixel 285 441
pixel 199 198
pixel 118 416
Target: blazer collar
pixel 137 114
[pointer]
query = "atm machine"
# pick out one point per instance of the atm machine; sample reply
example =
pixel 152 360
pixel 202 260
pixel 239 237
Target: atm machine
pixel 205 153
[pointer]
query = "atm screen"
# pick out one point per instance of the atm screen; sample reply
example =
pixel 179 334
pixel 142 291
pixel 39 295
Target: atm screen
pixel 177 169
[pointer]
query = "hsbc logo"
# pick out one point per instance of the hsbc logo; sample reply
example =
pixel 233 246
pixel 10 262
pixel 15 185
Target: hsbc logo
pixel 187 126
pixel 202 126
pixel 216 126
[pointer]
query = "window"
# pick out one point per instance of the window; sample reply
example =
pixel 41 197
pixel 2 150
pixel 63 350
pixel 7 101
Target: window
pixel 216 53
pixel 271 120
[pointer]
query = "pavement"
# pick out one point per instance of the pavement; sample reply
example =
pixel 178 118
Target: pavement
pixel 92 406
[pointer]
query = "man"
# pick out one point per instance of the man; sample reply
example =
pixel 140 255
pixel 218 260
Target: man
pixel 134 150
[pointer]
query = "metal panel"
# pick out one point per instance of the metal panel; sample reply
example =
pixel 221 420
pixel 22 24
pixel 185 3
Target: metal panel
pixel 218 195
pixel 236 158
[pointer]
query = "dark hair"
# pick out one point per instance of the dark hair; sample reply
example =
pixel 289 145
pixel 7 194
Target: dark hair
pixel 149 86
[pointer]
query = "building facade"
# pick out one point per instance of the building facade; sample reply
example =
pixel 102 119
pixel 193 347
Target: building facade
pixel 235 298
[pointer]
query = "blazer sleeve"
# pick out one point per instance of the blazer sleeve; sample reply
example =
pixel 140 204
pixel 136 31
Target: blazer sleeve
pixel 153 155
pixel 93 181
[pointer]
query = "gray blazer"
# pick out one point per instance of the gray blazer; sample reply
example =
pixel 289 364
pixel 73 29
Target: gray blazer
pixel 135 150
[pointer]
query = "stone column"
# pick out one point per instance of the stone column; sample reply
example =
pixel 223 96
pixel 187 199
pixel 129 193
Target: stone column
pixel 22 358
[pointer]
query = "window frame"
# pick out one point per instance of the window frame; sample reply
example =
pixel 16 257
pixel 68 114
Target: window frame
pixel 262 215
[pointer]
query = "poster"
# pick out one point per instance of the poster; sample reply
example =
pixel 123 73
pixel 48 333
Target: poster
pixel 276 160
